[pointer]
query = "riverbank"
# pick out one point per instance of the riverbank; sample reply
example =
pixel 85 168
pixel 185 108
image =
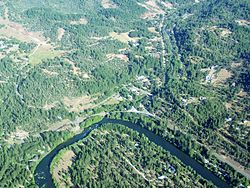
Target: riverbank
pixel 43 177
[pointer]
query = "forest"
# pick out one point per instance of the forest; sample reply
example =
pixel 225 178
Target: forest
pixel 179 68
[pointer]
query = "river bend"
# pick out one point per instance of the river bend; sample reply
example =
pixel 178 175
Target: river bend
pixel 43 177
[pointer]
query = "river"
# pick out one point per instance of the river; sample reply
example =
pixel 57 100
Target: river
pixel 43 177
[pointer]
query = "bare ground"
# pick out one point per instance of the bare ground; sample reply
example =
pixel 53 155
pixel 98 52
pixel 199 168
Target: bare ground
pixel 49 73
pixel 60 33
pixel 81 21
pixel 153 9
pixel 152 30
pixel 17 137
pixel 18 31
pixel 243 22
pixel 62 167
pixel 108 4
pixel 117 56
pixel 234 164
pixel 222 76
pixel 79 103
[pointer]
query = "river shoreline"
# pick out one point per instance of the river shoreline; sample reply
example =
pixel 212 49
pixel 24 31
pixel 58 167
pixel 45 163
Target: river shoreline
pixel 43 177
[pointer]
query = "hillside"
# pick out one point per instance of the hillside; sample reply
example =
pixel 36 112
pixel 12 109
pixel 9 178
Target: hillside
pixel 180 68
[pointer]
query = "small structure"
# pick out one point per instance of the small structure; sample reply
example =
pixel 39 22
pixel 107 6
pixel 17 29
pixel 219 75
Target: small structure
pixel 162 177
pixel 171 169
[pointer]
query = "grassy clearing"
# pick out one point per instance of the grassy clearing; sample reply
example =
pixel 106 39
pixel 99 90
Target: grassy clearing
pixel 42 53
pixel 78 104
pixel 123 37
pixel 44 50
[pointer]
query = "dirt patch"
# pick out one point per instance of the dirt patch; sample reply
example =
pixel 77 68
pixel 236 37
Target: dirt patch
pixel 2 55
pixel 78 104
pixel 138 91
pixel 229 105
pixel 123 37
pixel 81 103
pixel 49 106
pixel 59 125
pixel 191 100
pixel 152 30
pixel 100 38
pixel 77 71
pixel 242 94
pixel 222 76
pixel 167 5
pixel 60 33
pixel 237 166
pixel 246 123
pixel 144 81
pixel 108 4
pixel 243 22
pixel 185 16
pixel 62 167
pixel 16 30
pixel 81 21
pixel 236 64
pixel 225 32
pixel 66 124
pixel 153 9
pixel 122 49
pixel 49 73
pixel 117 56
pixel 153 5
pixel 43 50
pixel 17 137
pixel 150 48
pixel 155 39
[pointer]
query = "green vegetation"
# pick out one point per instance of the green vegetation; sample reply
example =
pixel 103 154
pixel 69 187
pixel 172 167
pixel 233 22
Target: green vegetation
pixel 118 157
pixel 185 63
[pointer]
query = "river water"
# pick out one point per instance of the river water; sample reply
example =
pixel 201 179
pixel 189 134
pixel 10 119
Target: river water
pixel 43 177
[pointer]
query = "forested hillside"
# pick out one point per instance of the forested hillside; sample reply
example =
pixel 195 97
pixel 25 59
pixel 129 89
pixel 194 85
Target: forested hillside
pixel 180 68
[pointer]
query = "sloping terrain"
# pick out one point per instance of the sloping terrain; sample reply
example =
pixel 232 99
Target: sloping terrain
pixel 183 63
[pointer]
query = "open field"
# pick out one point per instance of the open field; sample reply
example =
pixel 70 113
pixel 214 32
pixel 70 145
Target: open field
pixel 180 68
pixel 123 37
pixel 43 50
